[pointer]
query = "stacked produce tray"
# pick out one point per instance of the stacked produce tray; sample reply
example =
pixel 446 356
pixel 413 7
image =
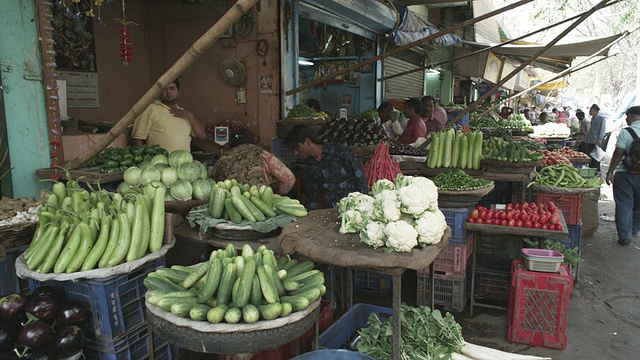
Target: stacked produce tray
pixel 539 307
pixel 493 266
pixel 455 218
pixel 339 334
pixel 372 282
pixel 450 291
pixel 133 345
pixel 452 262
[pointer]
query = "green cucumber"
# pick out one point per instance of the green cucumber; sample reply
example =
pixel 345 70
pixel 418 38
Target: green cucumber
pixel 216 314
pixel 250 314
pixel 199 312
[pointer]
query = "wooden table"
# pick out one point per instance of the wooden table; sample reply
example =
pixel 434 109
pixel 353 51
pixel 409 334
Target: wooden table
pixel 477 229
pixel 521 178
pixel 184 232
pixel 89 175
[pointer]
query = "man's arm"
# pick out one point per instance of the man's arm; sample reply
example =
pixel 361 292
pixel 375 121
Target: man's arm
pixel 615 160
pixel 137 142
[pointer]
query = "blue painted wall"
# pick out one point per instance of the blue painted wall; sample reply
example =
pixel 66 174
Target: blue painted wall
pixel 23 99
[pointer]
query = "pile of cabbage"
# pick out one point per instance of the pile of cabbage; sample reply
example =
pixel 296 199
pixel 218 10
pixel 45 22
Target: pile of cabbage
pixel 397 217
pixel 184 178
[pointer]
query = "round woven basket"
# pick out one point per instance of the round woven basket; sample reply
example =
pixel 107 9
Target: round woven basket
pixel 456 199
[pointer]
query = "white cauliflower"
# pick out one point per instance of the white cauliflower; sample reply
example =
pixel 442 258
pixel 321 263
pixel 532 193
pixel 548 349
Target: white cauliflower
pixel 401 236
pixel 357 201
pixel 416 195
pixel 430 227
pixel 386 207
pixel 380 185
pixel 373 234
pixel 352 221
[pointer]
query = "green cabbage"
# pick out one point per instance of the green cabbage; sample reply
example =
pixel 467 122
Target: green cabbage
pixel 201 189
pixel 161 166
pixel 159 159
pixel 179 157
pixel 124 188
pixel 189 171
pixel 203 169
pixel 149 174
pixel 182 190
pixel 168 197
pixel 169 176
pixel 132 176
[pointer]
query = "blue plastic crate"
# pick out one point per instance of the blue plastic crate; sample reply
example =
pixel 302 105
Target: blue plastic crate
pixel 464 120
pixel 9 281
pixel 372 282
pixel 574 239
pixel 339 334
pixel 116 303
pixel 455 218
pixel 133 345
pixel 450 292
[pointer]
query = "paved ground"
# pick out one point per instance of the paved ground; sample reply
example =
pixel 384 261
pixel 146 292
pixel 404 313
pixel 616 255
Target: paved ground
pixel 604 310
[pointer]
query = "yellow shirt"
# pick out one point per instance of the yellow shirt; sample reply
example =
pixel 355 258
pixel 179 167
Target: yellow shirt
pixel 157 125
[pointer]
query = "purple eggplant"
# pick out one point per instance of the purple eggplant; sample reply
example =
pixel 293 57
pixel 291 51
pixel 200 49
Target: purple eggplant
pixel 42 306
pixel 71 312
pixel 8 355
pixel 35 334
pixel 69 341
pixel 8 336
pixel 13 307
pixel 52 291
pixel 47 353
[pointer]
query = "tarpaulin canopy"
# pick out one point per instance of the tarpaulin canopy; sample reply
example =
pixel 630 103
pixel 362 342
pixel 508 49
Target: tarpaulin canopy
pixel 559 56
pixel 554 85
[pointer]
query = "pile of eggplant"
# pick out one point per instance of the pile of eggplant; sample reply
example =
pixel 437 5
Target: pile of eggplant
pixel 41 326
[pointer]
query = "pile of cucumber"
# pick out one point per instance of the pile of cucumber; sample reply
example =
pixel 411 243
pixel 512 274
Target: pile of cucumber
pixel 234 288
pixel 241 202
pixel 79 230
pixel 454 149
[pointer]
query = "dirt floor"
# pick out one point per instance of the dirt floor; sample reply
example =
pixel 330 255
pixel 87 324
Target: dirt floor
pixel 604 316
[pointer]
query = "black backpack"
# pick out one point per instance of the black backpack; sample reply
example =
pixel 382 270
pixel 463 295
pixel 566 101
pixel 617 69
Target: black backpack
pixel 632 158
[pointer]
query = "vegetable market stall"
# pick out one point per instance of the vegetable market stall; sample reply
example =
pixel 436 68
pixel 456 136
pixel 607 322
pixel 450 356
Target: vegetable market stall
pixel 477 229
pixel 317 237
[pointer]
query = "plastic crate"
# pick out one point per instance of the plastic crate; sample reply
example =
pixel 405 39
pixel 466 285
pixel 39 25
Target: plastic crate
pixel 493 278
pixel 542 260
pixel 587 173
pixel 341 332
pixel 570 204
pixel 450 292
pixel 539 307
pixel 453 261
pixel 455 218
pixel 9 281
pixel 116 303
pixel 501 194
pixel 134 345
pixel 499 246
pixel 372 282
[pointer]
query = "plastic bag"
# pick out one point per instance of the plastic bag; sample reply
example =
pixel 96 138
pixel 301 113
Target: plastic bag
pixel 597 153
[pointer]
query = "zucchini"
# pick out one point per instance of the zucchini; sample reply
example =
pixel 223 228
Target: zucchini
pixel 448 148
pixel 233 315
pixel 216 314
pixel 471 149
pixel 477 152
pixel 455 155
pixel 199 312
pixel 182 309
pixel 226 283
pixel 298 303
pixel 214 273
pixel 464 152
pixel 250 314
pixel 271 311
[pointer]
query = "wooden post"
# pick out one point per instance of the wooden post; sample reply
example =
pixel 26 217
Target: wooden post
pixel 188 58
pixel 408 46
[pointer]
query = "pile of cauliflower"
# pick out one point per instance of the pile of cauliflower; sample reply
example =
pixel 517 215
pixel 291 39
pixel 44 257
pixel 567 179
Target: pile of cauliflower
pixel 396 216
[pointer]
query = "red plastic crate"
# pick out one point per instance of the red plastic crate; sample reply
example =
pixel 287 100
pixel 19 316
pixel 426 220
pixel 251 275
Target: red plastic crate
pixel 539 306
pixel 453 261
pixel 570 204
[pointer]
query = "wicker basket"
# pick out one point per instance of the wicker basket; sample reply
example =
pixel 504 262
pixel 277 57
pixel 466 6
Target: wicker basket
pixel 18 234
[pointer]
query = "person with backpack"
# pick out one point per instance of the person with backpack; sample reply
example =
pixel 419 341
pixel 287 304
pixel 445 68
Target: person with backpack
pixel 624 174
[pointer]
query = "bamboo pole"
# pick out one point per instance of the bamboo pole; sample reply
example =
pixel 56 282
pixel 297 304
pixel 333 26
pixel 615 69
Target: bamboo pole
pixel 189 57
pixel 487 48
pixel 408 46
pixel 582 18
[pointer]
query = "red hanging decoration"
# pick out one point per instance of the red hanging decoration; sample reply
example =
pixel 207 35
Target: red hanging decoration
pixel 125 45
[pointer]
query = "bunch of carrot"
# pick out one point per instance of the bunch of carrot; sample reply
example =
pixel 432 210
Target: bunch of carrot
pixel 380 166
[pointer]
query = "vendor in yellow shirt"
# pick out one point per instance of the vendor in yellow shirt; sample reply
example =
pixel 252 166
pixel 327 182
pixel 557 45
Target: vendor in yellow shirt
pixel 167 124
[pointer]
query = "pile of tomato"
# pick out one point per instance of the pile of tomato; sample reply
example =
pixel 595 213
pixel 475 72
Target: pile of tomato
pixel 526 215
pixel 553 158
pixel 570 153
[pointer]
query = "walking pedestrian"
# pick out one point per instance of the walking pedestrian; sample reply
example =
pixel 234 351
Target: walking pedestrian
pixel 596 134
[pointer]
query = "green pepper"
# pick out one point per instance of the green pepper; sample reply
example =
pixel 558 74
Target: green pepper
pixel 126 163
pixel 137 159
pixel 150 150
pixel 113 170
pixel 127 157
pixel 104 169
pixel 92 163
pixel 111 164
pixel 137 150
pixel 163 152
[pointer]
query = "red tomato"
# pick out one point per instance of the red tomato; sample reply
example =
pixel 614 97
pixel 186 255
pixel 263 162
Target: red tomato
pixel 503 222
pixel 536 225
pixel 509 206
pixel 471 220
pixel 545 226
pixel 516 206
pixel 519 223
pixel 483 214
pixel 554 219
pixel 558 227
pixel 553 209
pixel 474 214
pixel 527 224
pixel 490 214
pixel 525 205
pixel 488 221
pixel 543 219
pixel 509 215
pixel 551 203
pixel 511 223
pixel 479 221
pixel 480 207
